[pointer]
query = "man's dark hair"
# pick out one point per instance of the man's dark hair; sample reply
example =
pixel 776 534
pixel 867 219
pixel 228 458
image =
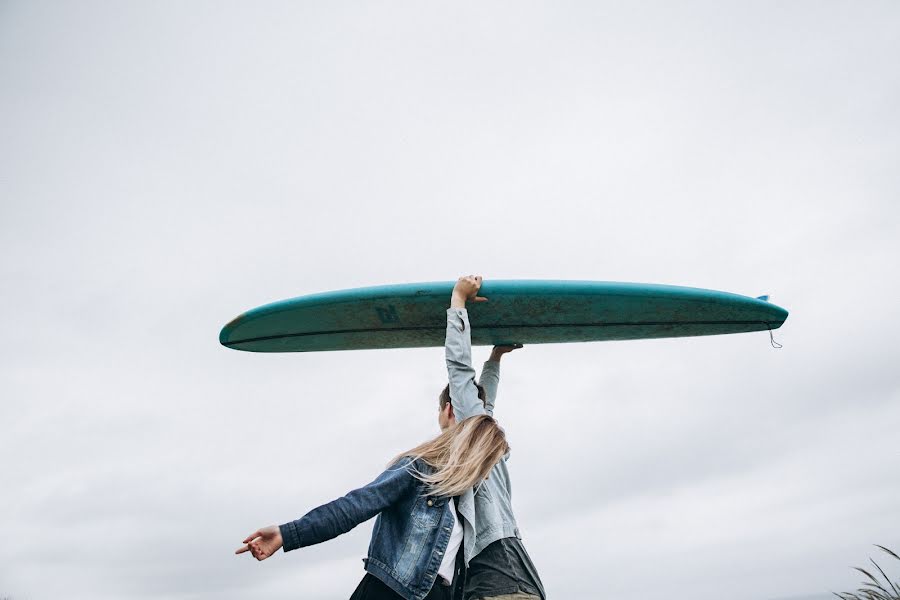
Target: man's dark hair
pixel 445 395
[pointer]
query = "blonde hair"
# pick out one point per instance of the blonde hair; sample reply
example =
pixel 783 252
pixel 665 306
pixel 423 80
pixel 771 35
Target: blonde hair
pixel 460 457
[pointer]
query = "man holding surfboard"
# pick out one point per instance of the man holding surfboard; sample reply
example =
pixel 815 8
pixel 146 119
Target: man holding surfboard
pixel 499 568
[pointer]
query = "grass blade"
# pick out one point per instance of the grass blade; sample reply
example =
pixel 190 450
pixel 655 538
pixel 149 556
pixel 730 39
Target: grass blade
pixel 874 589
pixel 891 552
pixel 883 574
pixel 867 574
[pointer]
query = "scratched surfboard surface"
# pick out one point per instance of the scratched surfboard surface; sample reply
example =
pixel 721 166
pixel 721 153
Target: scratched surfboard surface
pixel 518 311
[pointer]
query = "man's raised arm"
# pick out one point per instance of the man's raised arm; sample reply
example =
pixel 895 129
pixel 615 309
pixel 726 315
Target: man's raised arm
pixel 490 375
pixel 458 350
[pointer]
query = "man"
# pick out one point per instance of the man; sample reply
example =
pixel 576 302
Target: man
pixel 499 568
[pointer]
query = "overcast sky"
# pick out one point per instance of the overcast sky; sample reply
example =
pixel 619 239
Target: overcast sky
pixel 166 165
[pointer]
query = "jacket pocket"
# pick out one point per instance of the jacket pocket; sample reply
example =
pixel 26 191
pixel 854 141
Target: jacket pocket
pixel 427 512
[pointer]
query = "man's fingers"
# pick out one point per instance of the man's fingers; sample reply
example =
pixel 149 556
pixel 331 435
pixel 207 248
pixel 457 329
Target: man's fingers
pixel 469 285
pixel 242 549
pixel 503 348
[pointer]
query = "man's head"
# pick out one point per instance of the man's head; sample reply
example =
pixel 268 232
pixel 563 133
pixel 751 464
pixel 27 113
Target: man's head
pixel 446 418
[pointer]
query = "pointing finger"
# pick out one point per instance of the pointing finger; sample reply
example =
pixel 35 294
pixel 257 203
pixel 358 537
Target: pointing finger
pixel 242 549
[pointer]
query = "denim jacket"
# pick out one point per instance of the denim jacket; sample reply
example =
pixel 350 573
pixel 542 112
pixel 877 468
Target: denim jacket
pixel 410 536
pixel 487 512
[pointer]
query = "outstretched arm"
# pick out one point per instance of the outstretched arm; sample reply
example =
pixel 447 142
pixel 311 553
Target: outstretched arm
pixel 335 518
pixel 490 375
pixel 458 350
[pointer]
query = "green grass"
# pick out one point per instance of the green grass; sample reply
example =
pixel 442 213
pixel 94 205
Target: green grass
pixel 875 587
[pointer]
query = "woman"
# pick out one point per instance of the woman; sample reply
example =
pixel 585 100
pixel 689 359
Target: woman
pixel 412 554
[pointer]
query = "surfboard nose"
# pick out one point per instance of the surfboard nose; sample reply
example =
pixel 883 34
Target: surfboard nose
pixel 226 331
pixel 775 316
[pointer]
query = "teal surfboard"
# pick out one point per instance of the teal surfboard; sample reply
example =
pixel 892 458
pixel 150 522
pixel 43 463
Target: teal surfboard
pixel 518 311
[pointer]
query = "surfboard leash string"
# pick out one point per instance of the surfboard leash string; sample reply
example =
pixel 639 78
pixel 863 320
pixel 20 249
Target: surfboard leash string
pixel 775 344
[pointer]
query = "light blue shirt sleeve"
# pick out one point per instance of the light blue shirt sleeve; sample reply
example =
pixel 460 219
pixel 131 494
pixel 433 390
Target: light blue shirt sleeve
pixel 461 374
pixel 490 381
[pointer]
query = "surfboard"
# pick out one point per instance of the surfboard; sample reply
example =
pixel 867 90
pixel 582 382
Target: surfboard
pixel 518 311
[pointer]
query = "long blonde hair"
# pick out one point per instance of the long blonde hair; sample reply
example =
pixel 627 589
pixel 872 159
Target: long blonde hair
pixel 460 457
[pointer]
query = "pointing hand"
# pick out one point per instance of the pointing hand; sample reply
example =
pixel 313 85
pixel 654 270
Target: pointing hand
pixel 262 543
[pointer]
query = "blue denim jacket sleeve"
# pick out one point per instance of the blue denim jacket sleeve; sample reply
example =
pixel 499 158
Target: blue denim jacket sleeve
pixel 458 352
pixel 340 516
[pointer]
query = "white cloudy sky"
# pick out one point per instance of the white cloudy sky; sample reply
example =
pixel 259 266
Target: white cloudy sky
pixel 167 165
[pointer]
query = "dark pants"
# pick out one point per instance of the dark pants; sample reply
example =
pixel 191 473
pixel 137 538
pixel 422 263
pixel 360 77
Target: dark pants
pixel 372 588
pixel 503 571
